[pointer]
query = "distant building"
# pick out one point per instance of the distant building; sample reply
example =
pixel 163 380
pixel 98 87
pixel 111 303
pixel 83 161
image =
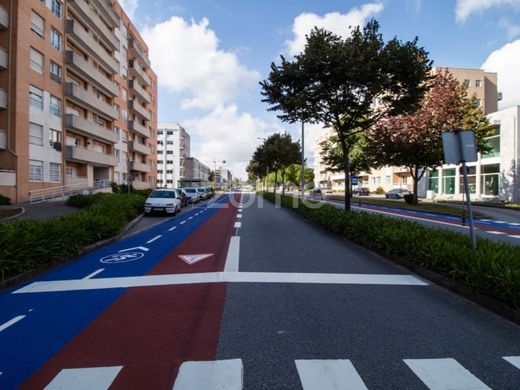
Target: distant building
pixel 173 147
pixel 223 178
pixel 196 174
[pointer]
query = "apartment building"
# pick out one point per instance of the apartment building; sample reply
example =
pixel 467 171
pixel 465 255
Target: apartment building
pixel 80 98
pixel 223 177
pixel 173 147
pixel 196 174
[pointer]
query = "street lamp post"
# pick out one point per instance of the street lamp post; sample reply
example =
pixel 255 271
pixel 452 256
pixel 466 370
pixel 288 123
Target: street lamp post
pixel 303 160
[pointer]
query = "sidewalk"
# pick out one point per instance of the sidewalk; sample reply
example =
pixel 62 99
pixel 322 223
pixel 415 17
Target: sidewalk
pixel 42 211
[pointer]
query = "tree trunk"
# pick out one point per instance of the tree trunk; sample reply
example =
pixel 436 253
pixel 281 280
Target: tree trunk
pixel 283 181
pixel 346 169
pixel 415 176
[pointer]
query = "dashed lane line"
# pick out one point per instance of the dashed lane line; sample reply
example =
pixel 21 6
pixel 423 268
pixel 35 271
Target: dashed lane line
pixel 153 239
pixel 94 273
pixel 238 225
pixel 172 228
pixel 11 322
pixel 183 222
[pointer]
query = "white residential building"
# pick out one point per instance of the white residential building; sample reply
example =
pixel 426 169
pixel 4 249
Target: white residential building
pixel 173 147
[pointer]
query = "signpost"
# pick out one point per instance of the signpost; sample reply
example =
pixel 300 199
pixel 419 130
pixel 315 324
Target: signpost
pixel 460 148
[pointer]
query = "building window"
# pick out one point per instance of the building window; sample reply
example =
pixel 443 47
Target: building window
pixel 472 180
pixel 477 83
pixel 55 39
pixel 56 71
pixel 36 97
pixel 159 132
pixel 169 161
pixel 169 152
pixel 169 142
pixel 159 152
pixel 54 138
pixel 56 8
pixel 466 83
pixel 38 24
pixel 35 170
pixel 169 132
pixel 35 134
pixel 388 178
pixel 54 172
pixel 36 61
pixel 55 106
pixel 433 181
pixel 494 142
pixel 489 179
pixel 169 171
pixel 449 180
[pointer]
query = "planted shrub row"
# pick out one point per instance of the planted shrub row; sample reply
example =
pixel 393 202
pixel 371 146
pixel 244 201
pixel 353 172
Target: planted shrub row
pixel 27 245
pixel 494 269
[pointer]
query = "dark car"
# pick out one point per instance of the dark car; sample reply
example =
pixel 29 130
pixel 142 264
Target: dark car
pixel 361 191
pixel 397 193
pixel 182 195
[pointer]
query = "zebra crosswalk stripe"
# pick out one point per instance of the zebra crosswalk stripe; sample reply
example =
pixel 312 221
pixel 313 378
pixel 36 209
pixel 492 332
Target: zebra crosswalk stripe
pixel 328 375
pixel 444 374
pixel 91 378
pixel 210 375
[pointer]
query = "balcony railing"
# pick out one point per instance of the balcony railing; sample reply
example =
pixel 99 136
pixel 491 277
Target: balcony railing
pixel 139 91
pixel 3 99
pixel 139 109
pixel 82 8
pixel 138 128
pixel 87 70
pixel 108 13
pixel 69 189
pixel 88 156
pixel 3 58
pixel 139 166
pixel 138 72
pixel 138 147
pixel 86 99
pixel 138 52
pixel 4 18
pixel 90 129
pixel 89 44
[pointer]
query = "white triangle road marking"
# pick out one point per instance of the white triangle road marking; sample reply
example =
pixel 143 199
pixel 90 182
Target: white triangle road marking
pixel 192 259
pixel 514 360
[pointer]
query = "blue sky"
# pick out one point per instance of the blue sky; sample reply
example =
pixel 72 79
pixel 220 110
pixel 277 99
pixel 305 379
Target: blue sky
pixel 210 55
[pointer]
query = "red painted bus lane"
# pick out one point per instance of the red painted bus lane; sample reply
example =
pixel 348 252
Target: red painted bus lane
pixel 150 331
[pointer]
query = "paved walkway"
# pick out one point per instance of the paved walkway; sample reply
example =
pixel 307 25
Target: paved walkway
pixel 43 211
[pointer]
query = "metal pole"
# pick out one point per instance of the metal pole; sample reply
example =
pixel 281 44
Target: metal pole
pixel 470 212
pixel 303 160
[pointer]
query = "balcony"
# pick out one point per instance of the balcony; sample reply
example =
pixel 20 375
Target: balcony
pixel 139 166
pixel 3 99
pixel 4 18
pixel 140 148
pixel 83 39
pixel 87 156
pixel 137 72
pixel 89 72
pixel 139 109
pixel 137 52
pixel 3 58
pixel 108 13
pixel 139 129
pixel 86 99
pixel 89 129
pixel 82 9
pixel 139 91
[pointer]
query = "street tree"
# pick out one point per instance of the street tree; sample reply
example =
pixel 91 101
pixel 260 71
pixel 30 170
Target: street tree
pixel 293 174
pixel 415 140
pixel 348 83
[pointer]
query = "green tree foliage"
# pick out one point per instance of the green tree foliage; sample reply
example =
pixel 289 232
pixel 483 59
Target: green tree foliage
pixel 415 140
pixel 348 84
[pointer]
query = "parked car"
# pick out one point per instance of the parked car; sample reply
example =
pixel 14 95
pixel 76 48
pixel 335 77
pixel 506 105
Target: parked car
pixel 397 193
pixel 193 195
pixel 360 191
pixel 316 193
pixel 166 201
pixel 202 193
pixel 182 194
pixel 209 192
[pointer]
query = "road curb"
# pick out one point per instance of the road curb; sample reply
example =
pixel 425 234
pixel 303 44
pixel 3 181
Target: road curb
pixel 22 212
pixel 82 251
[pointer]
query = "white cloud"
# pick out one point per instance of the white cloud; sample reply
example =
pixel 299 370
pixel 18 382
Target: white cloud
pixel 186 58
pixel 513 30
pixel 226 134
pixel 464 8
pixel 506 62
pixel 335 22
pixel 130 6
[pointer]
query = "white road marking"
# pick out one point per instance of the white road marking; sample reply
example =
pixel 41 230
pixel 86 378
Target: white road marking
pixel 12 321
pixel 329 375
pixel 514 360
pixel 239 215
pixel 514 236
pixel 240 210
pixel 499 221
pixel 190 218
pixel 197 213
pixel 142 248
pixel 494 232
pixel 183 222
pixel 238 225
pixel 191 259
pixel 220 277
pixel 514 223
pixel 172 228
pixel 94 273
pixel 444 374
pixel 211 375
pixel 92 378
pixel 153 239
pixel 233 253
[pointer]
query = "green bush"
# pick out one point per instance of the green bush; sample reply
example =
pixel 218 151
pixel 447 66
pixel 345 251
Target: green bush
pixel 494 269
pixel 380 191
pixel 27 245
pixel 408 198
pixel 4 200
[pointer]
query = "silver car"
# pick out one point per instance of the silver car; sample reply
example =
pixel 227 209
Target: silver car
pixel 193 195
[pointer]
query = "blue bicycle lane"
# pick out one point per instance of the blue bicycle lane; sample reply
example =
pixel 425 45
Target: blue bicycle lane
pixel 33 327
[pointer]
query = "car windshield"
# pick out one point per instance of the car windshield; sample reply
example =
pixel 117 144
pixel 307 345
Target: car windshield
pixel 201 190
pixel 162 194
pixel 190 190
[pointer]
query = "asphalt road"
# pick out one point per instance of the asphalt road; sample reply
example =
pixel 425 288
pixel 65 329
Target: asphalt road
pixel 237 294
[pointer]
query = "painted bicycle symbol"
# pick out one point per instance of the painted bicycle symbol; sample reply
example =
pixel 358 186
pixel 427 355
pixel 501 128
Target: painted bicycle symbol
pixel 121 257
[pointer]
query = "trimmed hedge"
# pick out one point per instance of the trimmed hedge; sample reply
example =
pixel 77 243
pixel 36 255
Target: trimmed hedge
pixel 28 245
pixel 494 269
pixel 4 200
